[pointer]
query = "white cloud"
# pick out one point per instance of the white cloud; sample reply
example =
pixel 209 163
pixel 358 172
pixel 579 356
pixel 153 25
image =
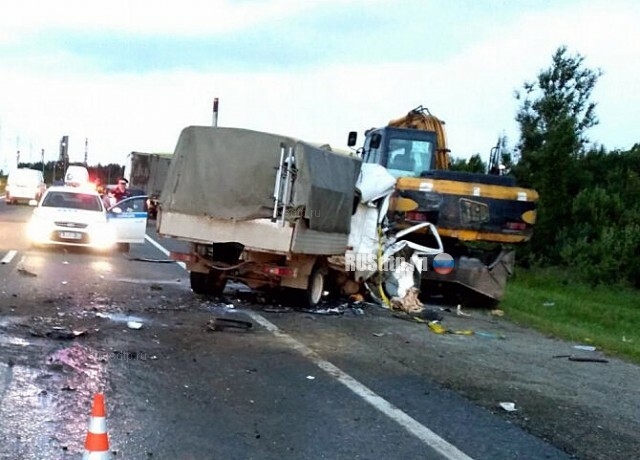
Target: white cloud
pixel 184 18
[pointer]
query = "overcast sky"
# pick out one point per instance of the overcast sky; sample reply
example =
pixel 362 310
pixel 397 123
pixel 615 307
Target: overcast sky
pixel 130 75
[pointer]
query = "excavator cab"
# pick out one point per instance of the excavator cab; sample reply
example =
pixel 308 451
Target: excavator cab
pixel 405 153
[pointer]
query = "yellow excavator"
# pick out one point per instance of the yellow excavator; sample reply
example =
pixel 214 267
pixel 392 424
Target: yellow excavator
pixel 480 217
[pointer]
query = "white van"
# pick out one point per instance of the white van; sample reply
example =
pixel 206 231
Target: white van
pixel 76 176
pixel 24 185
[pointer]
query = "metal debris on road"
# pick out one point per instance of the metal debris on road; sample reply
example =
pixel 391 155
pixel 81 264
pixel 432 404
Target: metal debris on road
pixel 277 309
pixel 220 324
pixel 155 261
pixel 58 333
pixel 582 359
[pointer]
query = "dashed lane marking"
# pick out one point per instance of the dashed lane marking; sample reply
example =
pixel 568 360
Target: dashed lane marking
pixel 424 434
pixel 8 257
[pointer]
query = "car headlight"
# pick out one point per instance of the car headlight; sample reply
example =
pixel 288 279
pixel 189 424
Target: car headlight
pixel 38 230
pixel 102 236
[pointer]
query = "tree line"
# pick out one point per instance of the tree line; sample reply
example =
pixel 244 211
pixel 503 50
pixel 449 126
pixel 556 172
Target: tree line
pixel 589 207
pixel 53 171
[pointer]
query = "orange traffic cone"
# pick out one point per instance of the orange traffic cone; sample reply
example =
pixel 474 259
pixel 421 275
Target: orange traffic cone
pixel 97 444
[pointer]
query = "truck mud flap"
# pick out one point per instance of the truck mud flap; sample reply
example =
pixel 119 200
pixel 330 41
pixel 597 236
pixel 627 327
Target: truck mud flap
pixel 471 279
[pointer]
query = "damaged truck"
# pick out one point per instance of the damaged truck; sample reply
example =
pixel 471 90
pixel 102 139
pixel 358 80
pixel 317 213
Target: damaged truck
pixel 274 212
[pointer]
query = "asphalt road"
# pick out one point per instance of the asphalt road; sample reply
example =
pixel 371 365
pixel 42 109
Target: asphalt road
pixel 296 385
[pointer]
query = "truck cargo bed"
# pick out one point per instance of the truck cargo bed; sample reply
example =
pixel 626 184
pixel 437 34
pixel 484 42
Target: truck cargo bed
pixel 255 234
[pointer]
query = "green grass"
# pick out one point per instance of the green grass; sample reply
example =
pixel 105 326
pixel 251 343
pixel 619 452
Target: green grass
pixel 600 316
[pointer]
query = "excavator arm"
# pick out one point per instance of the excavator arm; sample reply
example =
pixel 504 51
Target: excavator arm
pixel 420 118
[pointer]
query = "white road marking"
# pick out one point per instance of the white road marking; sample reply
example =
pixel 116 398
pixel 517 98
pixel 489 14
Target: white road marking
pixel 424 434
pixel 449 451
pixel 8 257
pixel 162 249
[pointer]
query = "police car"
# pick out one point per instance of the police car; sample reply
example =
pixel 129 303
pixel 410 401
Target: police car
pixel 76 216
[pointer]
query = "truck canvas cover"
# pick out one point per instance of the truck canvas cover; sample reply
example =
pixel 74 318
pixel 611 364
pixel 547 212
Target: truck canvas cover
pixel 230 173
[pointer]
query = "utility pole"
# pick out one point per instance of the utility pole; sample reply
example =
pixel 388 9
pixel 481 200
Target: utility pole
pixel 64 152
pixel 86 150
pixel 215 112
pixel 17 152
pixel 42 159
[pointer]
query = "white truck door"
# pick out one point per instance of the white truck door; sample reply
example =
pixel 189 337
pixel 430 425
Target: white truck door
pixel 129 218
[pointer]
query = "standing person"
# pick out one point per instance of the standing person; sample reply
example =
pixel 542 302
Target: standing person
pixel 121 192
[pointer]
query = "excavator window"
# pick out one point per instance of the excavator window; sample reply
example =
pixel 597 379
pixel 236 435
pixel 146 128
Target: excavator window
pixel 409 157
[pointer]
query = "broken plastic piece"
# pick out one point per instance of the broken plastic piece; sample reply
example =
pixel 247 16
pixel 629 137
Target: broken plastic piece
pixel 436 327
pixel 134 325
pixel 585 347
pixel 508 406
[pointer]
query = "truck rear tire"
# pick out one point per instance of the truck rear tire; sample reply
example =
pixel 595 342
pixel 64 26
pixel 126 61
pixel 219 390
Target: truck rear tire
pixel 212 283
pixel 312 295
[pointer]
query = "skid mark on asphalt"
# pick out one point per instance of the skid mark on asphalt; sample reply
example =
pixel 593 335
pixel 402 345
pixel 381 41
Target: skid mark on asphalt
pixel 424 434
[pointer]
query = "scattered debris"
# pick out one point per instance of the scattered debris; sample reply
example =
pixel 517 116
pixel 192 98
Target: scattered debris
pixel 63 282
pixel 490 335
pixel 230 306
pixel 409 303
pixel 585 347
pixel 436 327
pixel 155 287
pixel 582 359
pixel 220 324
pixel 463 332
pixel 134 325
pixel 64 262
pixel 431 315
pixel 459 311
pixel 588 360
pixel 277 309
pixel 508 406
pixel 626 340
pixel 549 304
pixel 58 333
pixel 497 312
pixel 378 334
pixel 310 377
pixel 357 297
pixel 25 272
pixel 155 261
pixel 334 311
